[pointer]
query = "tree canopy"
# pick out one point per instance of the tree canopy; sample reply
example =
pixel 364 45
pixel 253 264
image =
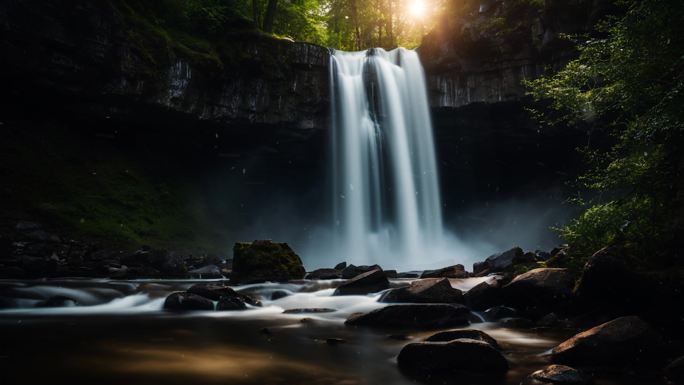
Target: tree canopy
pixel 629 82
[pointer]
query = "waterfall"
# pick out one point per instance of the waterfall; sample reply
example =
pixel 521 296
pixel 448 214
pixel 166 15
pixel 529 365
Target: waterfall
pixel 385 183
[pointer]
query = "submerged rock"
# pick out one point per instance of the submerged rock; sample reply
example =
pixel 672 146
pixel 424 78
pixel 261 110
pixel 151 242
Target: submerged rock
pixel 261 261
pixel 455 271
pixel 182 301
pixel 498 312
pixel 431 290
pixel 557 374
pixel 216 292
pixel 674 372
pixel 623 341
pixel 369 282
pixel 472 334
pixel 58 301
pixel 420 316
pixel 309 310
pixel 429 359
pixel 278 294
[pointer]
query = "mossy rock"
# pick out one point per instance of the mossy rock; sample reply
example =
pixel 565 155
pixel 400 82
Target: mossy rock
pixel 261 261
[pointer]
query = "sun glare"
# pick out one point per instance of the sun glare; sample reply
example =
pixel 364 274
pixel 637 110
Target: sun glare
pixel 417 8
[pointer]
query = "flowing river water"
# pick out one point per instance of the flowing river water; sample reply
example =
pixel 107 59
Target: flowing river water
pixel 119 333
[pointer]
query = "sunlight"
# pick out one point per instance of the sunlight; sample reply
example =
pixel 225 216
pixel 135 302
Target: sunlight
pixel 417 8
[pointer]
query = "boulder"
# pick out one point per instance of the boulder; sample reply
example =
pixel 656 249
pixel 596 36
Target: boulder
pixel 557 374
pixel 369 282
pixel 472 334
pixel 391 273
pixel 455 271
pixel 498 312
pixel 341 266
pixel 428 359
pixel 501 261
pixel 674 372
pixel 483 296
pixel 324 274
pixel 230 303
pixel 352 271
pixel 182 301
pixel 420 316
pixel 215 292
pixel 261 261
pixel 539 290
pixel 431 290
pixel 623 341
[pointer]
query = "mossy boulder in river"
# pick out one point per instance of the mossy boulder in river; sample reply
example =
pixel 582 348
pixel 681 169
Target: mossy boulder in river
pixel 261 261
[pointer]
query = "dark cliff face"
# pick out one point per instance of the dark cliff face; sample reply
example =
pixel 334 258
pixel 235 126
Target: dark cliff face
pixel 485 51
pixel 224 133
pixel 105 55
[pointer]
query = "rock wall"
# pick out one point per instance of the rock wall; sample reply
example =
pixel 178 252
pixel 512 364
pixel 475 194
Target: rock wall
pixel 483 53
pixel 105 56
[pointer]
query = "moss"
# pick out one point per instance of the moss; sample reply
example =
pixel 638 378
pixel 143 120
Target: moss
pixel 94 192
pixel 265 261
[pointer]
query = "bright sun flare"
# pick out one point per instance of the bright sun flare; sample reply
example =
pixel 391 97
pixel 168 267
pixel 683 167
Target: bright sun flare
pixel 417 8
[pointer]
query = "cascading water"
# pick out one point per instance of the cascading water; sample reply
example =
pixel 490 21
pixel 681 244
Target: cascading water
pixel 385 182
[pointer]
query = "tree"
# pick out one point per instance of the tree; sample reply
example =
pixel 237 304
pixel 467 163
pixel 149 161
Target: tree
pixel 271 8
pixel 628 81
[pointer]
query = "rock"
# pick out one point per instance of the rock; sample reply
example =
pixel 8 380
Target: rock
pixel 455 271
pixel 334 341
pixel 498 312
pixel 278 294
pixel 352 271
pixel 431 290
pixel 408 275
pixel 309 310
pixel 539 290
pixel 623 341
pixel 58 301
pixel 216 292
pixel 230 303
pixel 210 271
pixel 427 359
pixel 542 255
pixel 369 282
pixel 261 261
pixel 480 269
pixel 391 273
pixel 472 334
pixel 324 274
pixel 674 372
pixel 516 323
pixel 483 296
pixel 423 316
pixel 341 266
pixel 556 374
pixel 182 301
pixel 501 261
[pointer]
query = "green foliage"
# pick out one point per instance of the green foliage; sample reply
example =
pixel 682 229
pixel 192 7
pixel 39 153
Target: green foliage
pixel 629 81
